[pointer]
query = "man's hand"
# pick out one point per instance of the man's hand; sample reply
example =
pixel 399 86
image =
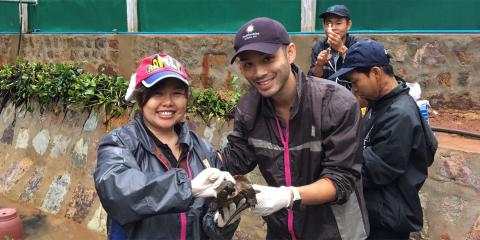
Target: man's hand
pixel 222 221
pixel 271 199
pixel 336 42
pixel 323 57
pixel 208 182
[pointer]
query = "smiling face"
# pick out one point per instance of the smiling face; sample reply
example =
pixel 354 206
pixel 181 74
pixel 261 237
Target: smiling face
pixel 268 72
pixel 166 105
pixel 340 25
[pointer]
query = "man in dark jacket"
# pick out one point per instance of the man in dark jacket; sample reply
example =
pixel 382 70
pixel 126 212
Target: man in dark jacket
pixel 328 53
pixel 302 132
pixel 399 145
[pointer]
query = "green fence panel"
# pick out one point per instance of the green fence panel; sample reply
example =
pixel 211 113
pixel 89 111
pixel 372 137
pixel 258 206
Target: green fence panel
pixel 9 20
pixel 213 15
pixel 408 14
pixel 78 16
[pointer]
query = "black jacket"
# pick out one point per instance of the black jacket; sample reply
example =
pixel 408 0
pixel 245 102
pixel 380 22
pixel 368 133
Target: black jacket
pixel 322 141
pixel 399 146
pixel 327 68
pixel 150 200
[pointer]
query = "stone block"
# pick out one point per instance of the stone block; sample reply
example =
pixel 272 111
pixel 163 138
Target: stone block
pixel 55 194
pixel 445 79
pixel 60 144
pixel 100 43
pixel 429 55
pixel 457 170
pixel 98 223
pixel 464 58
pixel 113 43
pixel 33 185
pixel 80 154
pixel 452 207
pixel 40 141
pixel 7 136
pixel 91 123
pixel 22 139
pixel 14 173
pixel 80 205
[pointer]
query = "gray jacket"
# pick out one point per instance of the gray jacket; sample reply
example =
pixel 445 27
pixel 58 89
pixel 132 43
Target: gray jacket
pixel 321 140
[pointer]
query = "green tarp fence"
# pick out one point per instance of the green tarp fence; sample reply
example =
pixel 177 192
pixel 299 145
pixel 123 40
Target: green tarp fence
pixel 210 16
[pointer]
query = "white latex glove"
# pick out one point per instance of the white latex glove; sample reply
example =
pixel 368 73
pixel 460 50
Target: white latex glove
pixel 208 181
pixel 227 213
pixel 271 199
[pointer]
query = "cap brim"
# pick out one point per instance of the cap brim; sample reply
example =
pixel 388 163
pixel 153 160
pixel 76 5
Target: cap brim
pixel 268 48
pixel 332 13
pixel 155 78
pixel 341 72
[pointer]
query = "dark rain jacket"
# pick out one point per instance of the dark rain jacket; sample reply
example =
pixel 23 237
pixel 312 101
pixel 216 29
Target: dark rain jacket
pixel 399 146
pixel 331 67
pixel 150 200
pixel 321 140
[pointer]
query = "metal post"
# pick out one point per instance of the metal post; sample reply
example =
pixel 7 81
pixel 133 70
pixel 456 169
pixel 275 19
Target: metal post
pixel 309 9
pixel 23 10
pixel 132 17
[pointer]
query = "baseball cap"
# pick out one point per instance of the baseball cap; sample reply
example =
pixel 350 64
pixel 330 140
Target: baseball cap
pixel 260 34
pixel 366 53
pixel 153 69
pixel 339 10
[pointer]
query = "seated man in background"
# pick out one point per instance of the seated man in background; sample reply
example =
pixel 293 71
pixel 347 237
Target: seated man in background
pixel 328 53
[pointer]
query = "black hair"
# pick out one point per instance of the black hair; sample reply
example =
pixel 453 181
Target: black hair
pixel 388 69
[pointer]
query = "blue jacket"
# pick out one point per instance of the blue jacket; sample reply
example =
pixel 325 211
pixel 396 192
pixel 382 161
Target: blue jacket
pixel 399 147
pixel 149 199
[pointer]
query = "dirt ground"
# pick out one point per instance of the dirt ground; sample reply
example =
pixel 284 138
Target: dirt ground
pixel 456 119
pixel 41 226
pixel 459 120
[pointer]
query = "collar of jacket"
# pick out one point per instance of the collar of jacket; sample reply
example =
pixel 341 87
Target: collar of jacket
pixel 267 105
pixel 387 97
pixel 148 143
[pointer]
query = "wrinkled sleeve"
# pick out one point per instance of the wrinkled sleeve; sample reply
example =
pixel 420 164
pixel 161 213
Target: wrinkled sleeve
pixel 387 157
pixel 238 155
pixel 216 233
pixel 341 143
pixel 128 194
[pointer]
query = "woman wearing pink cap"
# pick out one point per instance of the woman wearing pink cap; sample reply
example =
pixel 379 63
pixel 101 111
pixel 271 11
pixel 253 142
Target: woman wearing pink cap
pixel 154 175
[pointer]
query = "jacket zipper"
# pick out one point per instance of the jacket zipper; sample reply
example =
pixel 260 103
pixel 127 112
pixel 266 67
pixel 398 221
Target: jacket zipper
pixel 288 174
pixel 183 215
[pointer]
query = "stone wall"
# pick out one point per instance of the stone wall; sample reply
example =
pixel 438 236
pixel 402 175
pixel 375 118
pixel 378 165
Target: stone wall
pixel 446 66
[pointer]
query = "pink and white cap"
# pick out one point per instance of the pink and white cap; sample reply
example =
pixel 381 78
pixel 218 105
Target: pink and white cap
pixel 153 69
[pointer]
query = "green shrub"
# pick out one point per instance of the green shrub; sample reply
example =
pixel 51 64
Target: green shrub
pixel 78 90
pixel 66 84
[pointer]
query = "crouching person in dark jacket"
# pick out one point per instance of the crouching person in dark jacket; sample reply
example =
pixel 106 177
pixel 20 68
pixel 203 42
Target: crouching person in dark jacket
pixel 154 175
pixel 399 145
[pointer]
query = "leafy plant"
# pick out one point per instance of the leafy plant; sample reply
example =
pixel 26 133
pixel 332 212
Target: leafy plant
pixel 67 84
pixel 212 103
pixel 77 90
